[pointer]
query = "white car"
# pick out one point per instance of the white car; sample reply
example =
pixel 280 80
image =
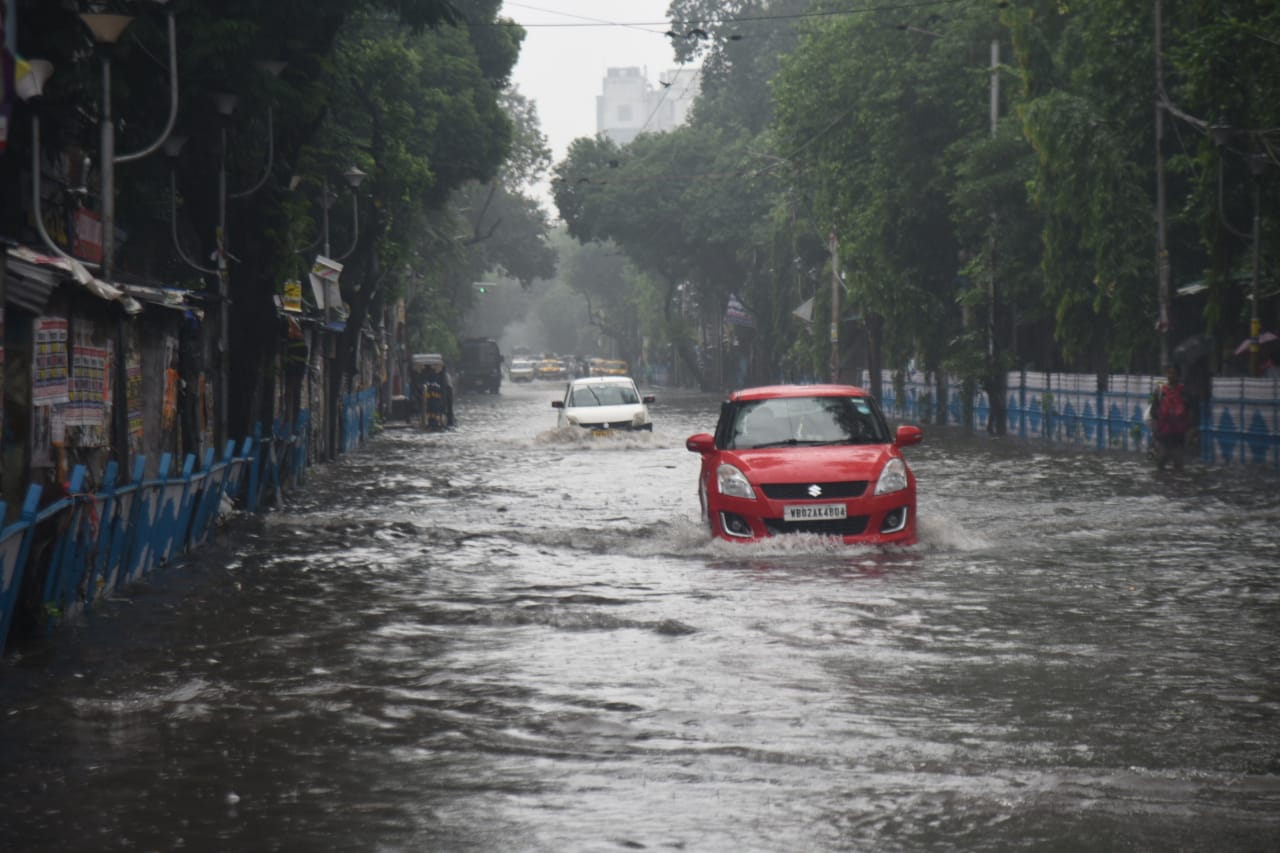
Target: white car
pixel 604 404
pixel 521 370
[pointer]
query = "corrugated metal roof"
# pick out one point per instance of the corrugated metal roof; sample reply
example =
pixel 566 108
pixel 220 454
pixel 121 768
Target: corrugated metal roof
pixel 29 285
pixel 42 273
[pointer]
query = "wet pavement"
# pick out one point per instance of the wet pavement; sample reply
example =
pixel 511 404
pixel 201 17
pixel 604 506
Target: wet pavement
pixel 511 638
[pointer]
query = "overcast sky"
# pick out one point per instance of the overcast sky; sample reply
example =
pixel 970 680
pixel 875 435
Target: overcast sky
pixel 570 45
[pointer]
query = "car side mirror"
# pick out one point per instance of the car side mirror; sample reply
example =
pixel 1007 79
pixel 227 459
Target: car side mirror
pixel 703 442
pixel 908 435
pixel 557 404
pixel 648 399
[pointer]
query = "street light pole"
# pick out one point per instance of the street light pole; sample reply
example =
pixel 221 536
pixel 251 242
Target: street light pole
pixel 834 369
pixel 1164 325
pixel 991 280
pixel 1257 165
pixel 326 201
pixel 226 105
pixel 353 177
pixel 107 29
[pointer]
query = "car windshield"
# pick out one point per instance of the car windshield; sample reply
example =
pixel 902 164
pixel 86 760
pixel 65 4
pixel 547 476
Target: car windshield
pixel 603 395
pixel 786 421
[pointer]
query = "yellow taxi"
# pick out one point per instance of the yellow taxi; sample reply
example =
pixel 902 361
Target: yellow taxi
pixel 551 368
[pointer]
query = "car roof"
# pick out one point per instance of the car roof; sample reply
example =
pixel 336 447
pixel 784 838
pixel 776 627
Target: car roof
pixel 604 380
pixel 768 392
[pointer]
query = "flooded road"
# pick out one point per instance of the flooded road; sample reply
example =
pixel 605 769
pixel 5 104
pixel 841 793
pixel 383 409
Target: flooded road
pixel 507 638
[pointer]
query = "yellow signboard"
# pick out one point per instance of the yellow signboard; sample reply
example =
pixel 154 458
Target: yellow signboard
pixel 293 296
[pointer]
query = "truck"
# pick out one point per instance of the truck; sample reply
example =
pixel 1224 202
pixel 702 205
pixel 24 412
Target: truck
pixel 480 368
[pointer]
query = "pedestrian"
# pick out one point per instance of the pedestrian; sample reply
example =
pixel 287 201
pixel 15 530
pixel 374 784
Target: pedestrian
pixel 435 403
pixel 1172 413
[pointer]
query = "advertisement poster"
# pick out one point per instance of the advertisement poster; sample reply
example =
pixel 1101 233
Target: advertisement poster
pixel 133 370
pixel 51 369
pixel 88 383
pixel 169 409
pixel 87 245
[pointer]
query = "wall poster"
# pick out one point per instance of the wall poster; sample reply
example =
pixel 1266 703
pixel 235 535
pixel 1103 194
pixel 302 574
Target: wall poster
pixel 89 399
pixel 133 394
pixel 50 380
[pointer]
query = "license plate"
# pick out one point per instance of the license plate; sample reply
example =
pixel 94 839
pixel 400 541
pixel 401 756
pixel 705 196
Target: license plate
pixel 601 433
pixel 814 512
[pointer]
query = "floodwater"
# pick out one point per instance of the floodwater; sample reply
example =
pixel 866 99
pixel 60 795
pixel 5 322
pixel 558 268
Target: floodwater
pixel 507 638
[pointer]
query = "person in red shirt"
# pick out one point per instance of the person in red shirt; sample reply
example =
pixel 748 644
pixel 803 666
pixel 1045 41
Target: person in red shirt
pixel 1172 413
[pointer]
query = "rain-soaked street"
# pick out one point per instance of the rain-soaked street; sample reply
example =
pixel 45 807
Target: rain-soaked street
pixel 508 639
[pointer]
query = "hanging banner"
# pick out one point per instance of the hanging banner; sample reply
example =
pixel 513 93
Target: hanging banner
pixel 736 314
pixel 324 285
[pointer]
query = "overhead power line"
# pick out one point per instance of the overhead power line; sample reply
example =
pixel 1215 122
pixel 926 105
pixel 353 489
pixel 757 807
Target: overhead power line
pixel 685 25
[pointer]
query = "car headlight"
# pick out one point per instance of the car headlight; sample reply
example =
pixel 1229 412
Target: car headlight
pixel 893 478
pixel 733 482
pixel 571 420
pixel 639 419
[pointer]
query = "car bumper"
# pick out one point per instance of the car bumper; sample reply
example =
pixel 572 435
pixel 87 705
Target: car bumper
pixel 601 429
pixel 879 520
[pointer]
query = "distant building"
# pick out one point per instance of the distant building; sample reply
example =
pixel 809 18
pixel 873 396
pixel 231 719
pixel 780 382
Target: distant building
pixel 629 104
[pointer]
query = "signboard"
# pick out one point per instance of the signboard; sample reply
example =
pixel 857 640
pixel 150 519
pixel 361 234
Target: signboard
pixel 736 314
pixel 324 285
pixel 88 236
pixel 293 296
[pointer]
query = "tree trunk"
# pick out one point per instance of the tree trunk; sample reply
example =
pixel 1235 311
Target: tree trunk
pixel 875 330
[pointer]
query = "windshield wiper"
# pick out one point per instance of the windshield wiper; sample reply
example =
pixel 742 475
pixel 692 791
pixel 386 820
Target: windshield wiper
pixel 786 442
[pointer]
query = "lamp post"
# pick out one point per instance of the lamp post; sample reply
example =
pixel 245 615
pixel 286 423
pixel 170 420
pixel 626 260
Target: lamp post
pixel 107 29
pixel 173 148
pixel 1223 134
pixel 31 89
pixel 224 105
pixel 834 246
pixel 353 178
pixel 1257 166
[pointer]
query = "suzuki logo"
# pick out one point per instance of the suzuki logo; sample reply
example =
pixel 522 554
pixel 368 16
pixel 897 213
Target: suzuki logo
pixel 815 490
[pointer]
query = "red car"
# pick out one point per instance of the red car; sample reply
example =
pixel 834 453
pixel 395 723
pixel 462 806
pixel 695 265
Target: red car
pixel 807 459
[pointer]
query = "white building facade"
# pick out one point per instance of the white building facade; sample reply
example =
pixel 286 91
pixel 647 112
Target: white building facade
pixel 630 105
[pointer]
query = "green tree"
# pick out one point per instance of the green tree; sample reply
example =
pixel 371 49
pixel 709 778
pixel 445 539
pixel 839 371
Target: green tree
pixel 1092 183
pixel 421 113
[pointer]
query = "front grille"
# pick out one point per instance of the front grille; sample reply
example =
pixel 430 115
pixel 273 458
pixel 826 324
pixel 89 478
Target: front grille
pixel 853 526
pixel 800 491
pixel 619 425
